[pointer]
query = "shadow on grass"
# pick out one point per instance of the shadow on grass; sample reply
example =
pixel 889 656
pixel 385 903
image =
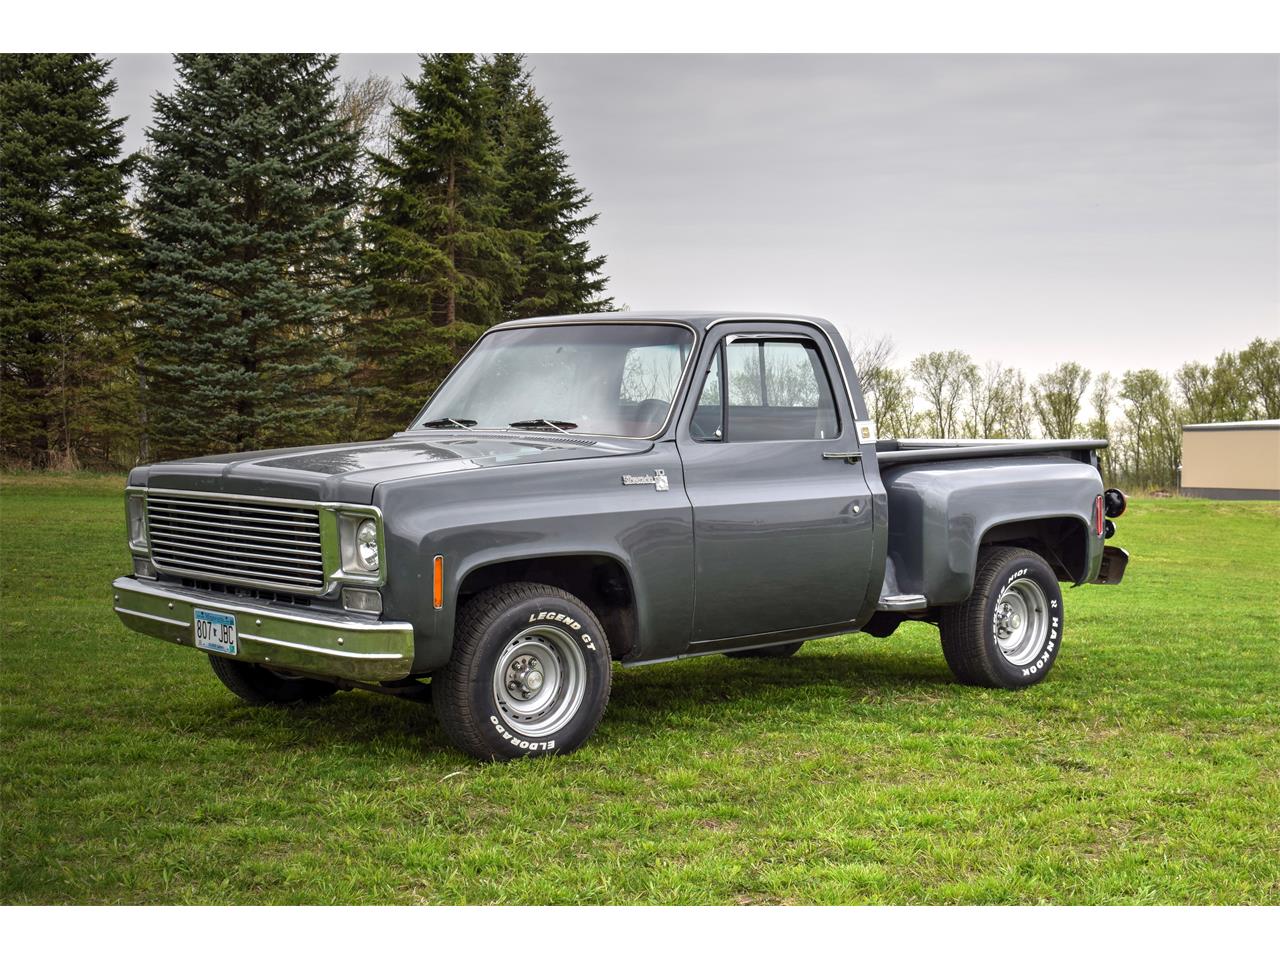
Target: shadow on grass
pixel 644 700
pixel 806 676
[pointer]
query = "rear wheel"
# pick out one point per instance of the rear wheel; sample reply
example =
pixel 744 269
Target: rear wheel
pixel 260 686
pixel 530 673
pixel 1009 631
pixel 768 653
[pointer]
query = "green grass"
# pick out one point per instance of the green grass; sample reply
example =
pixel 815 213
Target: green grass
pixel 1145 769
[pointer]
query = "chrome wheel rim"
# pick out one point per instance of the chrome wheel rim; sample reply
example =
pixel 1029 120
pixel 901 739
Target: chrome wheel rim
pixel 1021 621
pixel 539 681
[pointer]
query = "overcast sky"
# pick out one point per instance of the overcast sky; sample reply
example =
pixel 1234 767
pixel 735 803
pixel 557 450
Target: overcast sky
pixel 1121 211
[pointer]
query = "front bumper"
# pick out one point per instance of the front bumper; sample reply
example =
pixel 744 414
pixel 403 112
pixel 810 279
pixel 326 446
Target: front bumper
pixel 304 640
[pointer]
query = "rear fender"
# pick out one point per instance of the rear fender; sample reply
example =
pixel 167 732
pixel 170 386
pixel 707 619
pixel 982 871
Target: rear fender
pixel 941 514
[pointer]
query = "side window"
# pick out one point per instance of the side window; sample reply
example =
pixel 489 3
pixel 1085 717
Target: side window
pixel 778 390
pixel 708 416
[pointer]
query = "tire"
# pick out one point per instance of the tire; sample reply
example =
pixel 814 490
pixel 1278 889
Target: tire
pixel 529 675
pixel 260 686
pixel 777 652
pixel 1008 633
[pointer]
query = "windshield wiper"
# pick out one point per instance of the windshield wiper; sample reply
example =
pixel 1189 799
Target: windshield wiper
pixel 447 422
pixel 564 426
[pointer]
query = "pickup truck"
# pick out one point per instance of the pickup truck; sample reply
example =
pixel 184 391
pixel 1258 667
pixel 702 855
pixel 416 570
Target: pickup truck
pixel 620 487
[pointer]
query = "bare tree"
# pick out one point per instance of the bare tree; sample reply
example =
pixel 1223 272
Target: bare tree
pixel 870 358
pixel 367 106
pixel 892 405
pixel 942 376
pixel 993 395
pixel 1103 398
pixel 1020 412
pixel 1151 439
pixel 887 393
pixel 1057 398
pixel 1218 393
pixel 1260 371
pixel 1195 383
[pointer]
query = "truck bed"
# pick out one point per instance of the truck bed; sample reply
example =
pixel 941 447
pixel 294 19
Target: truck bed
pixel 948 497
pixel 894 452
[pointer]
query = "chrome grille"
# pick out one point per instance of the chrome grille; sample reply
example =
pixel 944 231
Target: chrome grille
pixel 254 543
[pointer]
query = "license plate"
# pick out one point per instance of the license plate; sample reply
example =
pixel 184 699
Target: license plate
pixel 216 632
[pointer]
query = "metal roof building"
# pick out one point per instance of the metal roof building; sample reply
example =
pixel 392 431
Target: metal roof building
pixel 1231 461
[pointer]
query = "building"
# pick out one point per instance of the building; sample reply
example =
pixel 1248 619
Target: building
pixel 1231 461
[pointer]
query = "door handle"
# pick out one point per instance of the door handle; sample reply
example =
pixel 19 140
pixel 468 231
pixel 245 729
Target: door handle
pixel 851 457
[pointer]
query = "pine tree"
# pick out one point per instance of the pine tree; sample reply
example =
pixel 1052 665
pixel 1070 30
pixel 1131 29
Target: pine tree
pixel 248 254
pixel 65 260
pixel 439 257
pixel 543 201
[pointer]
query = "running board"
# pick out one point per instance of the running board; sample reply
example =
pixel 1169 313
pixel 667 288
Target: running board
pixel 903 601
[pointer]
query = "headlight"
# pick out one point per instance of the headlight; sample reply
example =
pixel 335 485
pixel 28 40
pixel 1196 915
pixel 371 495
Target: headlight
pixel 136 522
pixel 366 555
pixel 361 549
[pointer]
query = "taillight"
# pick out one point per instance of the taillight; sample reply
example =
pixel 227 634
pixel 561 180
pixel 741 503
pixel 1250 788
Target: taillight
pixel 1113 502
pixel 1097 515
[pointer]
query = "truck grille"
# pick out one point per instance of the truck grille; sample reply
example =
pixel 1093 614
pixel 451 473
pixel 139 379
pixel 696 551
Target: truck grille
pixel 254 543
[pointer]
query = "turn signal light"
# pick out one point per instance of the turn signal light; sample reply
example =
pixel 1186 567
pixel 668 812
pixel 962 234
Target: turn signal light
pixel 361 601
pixel 437 582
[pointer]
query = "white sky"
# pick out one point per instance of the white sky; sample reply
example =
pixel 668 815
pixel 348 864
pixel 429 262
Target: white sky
pixel 1117 210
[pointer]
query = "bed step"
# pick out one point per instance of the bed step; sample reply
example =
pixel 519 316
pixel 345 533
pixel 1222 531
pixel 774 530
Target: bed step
pixel 903 601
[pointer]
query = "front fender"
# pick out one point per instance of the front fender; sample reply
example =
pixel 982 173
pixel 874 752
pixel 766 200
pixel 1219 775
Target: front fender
pixel 578 508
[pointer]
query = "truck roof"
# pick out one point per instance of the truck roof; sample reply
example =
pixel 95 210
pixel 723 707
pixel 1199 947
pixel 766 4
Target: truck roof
pixel 698 319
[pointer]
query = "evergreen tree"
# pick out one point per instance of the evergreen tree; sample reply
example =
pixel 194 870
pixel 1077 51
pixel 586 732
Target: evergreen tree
pixel 439 255
pixel 248 253
pixel 65 260
pixel 543 201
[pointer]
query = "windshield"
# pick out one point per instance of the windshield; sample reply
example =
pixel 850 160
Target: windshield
pixel 617 379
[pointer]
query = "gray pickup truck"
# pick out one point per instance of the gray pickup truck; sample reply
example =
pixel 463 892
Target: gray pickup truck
pixel 629 487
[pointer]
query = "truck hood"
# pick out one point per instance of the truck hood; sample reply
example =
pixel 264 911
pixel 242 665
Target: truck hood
pixel 349 472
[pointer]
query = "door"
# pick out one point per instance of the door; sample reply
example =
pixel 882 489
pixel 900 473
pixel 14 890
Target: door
pixel 782 520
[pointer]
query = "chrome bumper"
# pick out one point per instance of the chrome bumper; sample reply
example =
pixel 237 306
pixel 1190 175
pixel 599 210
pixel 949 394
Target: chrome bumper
pixel 308 641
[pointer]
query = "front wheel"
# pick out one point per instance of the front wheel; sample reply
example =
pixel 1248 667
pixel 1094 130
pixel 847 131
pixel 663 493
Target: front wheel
pixel 1008 633
pixel 530 674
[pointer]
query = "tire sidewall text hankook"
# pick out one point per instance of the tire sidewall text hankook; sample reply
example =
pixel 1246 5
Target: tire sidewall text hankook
pixel 1024 582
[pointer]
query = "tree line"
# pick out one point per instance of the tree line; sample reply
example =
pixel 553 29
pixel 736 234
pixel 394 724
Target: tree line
pixel 946 394
pixel 289 260
pixel 293 260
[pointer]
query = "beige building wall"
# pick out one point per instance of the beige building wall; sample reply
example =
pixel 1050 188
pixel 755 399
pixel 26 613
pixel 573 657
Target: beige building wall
pixel 1232 460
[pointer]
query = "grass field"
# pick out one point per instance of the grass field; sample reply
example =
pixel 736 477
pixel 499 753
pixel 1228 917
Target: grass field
pixel 1146 769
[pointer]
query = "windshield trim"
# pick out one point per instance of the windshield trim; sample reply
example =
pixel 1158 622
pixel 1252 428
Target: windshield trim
pixel 672 408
